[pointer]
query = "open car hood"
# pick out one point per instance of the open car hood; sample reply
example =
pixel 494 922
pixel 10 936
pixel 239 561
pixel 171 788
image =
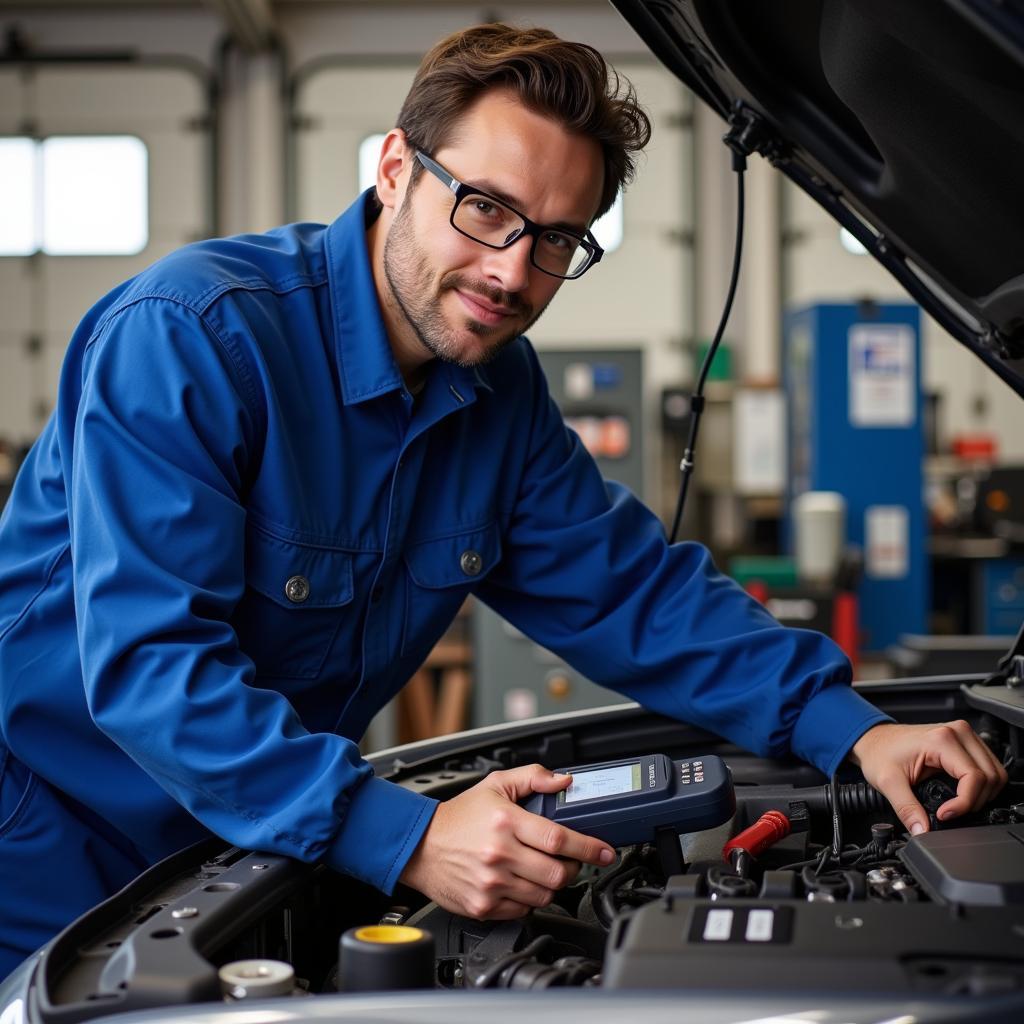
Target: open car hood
pixel 904 120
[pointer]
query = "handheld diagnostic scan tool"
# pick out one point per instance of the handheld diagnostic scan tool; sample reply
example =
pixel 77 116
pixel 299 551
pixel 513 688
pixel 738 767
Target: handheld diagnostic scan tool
pixel 628 801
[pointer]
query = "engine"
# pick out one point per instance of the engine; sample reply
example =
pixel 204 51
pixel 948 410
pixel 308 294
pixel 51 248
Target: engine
pixel 807 886
pixel 763 906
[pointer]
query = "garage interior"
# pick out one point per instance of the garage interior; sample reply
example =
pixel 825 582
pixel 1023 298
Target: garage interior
pixel 237 115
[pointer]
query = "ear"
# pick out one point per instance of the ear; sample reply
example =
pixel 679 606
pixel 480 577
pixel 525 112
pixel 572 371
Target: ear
pixel 394 168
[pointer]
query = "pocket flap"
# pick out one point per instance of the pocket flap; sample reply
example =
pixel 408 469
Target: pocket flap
pixel 297 575
pixel 454 561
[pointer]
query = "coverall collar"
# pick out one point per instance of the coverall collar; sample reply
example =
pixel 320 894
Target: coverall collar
pixel 366 365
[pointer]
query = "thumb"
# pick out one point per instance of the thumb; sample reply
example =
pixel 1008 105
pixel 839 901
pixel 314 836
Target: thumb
pixel 906 806
pixel 517 783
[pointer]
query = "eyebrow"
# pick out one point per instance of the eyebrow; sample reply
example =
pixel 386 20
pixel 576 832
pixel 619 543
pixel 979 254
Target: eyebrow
pixel 509 200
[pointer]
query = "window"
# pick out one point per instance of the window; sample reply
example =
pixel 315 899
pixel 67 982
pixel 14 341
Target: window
pixel 18 215
pixel 851 243
pixel 369 157
pixel 607 230
pixel 74 195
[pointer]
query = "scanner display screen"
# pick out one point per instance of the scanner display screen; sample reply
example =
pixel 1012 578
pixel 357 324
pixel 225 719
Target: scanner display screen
pixel 614 781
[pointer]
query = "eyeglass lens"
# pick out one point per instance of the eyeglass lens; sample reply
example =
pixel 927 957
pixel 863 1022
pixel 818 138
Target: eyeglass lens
pixel 488 221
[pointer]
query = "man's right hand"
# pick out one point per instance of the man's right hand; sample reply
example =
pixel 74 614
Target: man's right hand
pixel 483 856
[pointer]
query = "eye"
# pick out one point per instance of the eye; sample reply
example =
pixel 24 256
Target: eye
pixel 554 240
pixel 484 208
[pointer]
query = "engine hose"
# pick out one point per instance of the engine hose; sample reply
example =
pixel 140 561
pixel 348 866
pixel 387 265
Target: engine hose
pixel 532 974
pixel 856 798
pixel 605 904
pixel 494 972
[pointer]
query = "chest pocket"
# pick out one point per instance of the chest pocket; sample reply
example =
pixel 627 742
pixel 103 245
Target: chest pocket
pixel 295 602
pixel 441 573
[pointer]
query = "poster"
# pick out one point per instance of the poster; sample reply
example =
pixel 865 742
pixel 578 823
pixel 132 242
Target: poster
pixel 882 375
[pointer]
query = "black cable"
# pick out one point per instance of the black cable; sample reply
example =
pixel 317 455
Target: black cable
pixel 605 904
pixel 739 165
pixel 837 819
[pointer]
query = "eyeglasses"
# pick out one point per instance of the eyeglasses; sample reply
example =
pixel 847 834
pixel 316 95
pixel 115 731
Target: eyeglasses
pixel 491 222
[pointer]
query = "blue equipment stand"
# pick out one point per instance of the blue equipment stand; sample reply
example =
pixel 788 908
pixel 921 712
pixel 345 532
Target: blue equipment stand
pixel 853 390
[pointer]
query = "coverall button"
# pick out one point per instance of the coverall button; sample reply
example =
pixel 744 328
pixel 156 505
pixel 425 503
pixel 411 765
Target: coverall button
pixel 471 562
pixel 297 589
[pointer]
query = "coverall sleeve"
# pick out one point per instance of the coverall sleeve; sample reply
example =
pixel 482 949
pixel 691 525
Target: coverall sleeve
pixel 166 435
pixel 587 572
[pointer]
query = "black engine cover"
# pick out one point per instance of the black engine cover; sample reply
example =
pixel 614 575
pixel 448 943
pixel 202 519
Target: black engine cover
pixel 840 947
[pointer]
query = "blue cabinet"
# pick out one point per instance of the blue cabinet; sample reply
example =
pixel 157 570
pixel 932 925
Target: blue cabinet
pixel 853 390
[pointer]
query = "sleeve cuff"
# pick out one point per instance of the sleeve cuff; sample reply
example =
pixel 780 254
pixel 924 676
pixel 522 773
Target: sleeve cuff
pixel 382 828
pixel 829 725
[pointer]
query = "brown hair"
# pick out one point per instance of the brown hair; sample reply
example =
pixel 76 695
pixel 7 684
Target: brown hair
pixel 568 82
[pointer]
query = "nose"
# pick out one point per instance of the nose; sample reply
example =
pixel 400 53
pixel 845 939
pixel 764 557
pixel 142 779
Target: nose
pixel 509 268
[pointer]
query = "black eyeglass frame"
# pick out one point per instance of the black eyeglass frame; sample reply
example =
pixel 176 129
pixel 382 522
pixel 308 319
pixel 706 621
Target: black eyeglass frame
pixel 461 191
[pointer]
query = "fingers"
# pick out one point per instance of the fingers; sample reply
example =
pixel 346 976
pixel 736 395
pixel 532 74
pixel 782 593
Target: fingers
pixel 538 832
pixel 895 757
pixel 551 873
pixel 558 841
pixel 897 791
pixel 962 755
pixel 533 885
pixel 506 910
pixel 517 783
pixel 473 858
pixel 994 772
pixel 498 886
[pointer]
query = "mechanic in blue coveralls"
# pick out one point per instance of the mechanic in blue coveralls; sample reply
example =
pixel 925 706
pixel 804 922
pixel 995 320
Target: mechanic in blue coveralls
pixel 277 466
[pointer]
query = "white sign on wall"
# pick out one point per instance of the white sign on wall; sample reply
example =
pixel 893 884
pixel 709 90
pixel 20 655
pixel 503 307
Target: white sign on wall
pixel 887 539
pixel 759 450
pixel 882 375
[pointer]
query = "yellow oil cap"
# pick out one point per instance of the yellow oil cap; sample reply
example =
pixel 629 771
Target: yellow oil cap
pixel 389 933
pixel 383 957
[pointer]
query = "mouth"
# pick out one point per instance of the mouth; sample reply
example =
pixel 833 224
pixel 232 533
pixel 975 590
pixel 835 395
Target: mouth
pixel 484 311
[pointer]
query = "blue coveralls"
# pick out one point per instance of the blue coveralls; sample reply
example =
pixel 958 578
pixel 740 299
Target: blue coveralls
pixel 238 536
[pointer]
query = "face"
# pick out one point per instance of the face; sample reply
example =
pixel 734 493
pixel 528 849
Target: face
pixel 458 300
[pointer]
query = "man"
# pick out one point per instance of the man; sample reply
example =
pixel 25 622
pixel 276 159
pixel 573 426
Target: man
pixel 277 466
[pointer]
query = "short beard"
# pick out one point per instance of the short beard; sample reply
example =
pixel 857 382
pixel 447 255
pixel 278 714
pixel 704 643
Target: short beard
pixel 408 273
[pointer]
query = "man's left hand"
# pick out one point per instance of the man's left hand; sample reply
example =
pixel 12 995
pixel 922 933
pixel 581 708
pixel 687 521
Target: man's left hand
pixel 894 758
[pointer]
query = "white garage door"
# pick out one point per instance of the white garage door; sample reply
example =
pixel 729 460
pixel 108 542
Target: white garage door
pixel 44 296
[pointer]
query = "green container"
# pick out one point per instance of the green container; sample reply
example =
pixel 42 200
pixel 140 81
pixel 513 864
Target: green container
pixel 771 571
pixel 721 366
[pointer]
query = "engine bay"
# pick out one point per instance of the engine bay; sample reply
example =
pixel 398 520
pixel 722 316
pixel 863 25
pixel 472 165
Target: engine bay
pixel 842 900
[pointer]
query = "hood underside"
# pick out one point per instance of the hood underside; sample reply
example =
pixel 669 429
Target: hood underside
pixel 904 119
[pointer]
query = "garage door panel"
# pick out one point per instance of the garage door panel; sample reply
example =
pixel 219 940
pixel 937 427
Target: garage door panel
pixel 83 99
pixel 72 284
pixel 330 97
pixel 11 102
pixel 820 270
pixel 17 281
pixel 18 373
pixel 177 187
pixel 327 173
pixel 46 296
pixel 328 176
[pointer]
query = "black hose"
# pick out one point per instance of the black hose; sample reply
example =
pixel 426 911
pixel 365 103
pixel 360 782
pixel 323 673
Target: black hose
pixel 856 798
pixel 605 906
pixel 493 972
